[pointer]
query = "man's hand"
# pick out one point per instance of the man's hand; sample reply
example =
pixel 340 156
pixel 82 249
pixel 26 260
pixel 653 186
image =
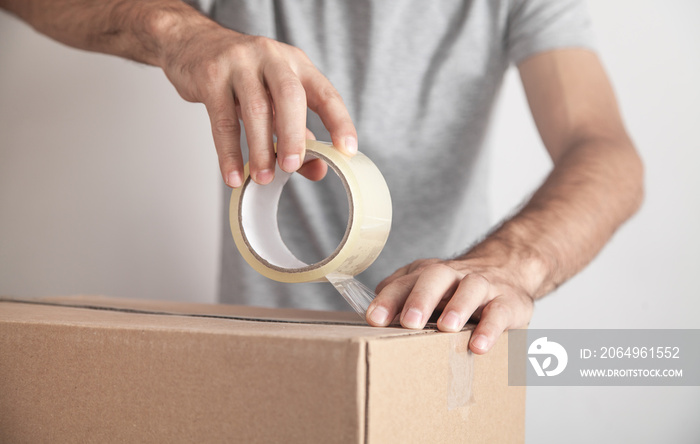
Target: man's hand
pixel 265 83
pixel 483 284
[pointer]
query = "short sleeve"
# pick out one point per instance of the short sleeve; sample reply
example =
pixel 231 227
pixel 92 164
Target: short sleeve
pixel 541 25
pixel 204 6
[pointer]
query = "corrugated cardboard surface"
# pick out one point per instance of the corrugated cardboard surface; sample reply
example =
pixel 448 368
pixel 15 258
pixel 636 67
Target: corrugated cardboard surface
pixel 146 371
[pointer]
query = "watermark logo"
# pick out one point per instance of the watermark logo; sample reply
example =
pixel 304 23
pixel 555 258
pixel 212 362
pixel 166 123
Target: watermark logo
pixel 610 357
pixel 542 347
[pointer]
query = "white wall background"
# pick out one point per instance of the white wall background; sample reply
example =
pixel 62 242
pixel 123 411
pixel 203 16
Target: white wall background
pixel 109 185
pixel 108 180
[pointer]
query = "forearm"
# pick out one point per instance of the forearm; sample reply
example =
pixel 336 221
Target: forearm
pixel 595 186
pixel 135 30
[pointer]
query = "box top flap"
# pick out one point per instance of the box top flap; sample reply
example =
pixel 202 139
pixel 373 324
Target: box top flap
pixel 206 310
pixel 107 312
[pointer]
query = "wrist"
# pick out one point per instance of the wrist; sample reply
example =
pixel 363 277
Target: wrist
pixel 527 264
pixel 163 30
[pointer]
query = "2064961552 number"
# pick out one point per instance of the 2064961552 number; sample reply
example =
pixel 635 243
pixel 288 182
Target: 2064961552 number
pixel 640 352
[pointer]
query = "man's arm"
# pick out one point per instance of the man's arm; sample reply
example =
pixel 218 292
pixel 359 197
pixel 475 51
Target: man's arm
pixel 266 83
pixel 596 184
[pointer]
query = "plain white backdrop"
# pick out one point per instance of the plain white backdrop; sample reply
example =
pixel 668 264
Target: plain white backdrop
pixel 109 185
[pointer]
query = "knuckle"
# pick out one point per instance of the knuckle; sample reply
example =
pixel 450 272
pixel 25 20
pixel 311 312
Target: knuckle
pixel 299 59
pixel 439 268
pixel 329 94
pixel 266 42
pixel 263 45
pixel 241 55
pixel 498 308
pixel 230 158
pixel 291 90
pixel 261 158
pixel 290 144
pixel 225 126
pixel 420 264
pixel 400 285
pixel 291 53
pixel 258 107
pixel 298 52
pixel 477 280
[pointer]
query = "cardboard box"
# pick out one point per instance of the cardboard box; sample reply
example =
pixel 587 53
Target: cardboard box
pixel 90 369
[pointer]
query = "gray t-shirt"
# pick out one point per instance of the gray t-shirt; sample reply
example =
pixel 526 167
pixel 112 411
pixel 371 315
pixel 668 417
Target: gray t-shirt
pixel 419 79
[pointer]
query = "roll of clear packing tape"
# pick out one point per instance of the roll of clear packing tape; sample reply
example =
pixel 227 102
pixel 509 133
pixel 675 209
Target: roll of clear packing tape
pixel 253 219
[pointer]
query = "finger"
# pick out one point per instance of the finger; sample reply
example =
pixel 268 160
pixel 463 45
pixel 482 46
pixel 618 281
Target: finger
pixel 289 100
pixel 226 131
pixel 495 319
pixel 256 112
pixel 435 283
pixel 314 169
pixel 472 291
pixel 388 303
pixel 325 101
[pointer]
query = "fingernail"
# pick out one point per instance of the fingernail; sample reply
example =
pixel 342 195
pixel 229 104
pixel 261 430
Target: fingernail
pixel 451 321
pixel 234 180
pixel 413 318
pixel 351 145
pixel 264 177
pixel 379 315
pixel 291 163
pixel 480 342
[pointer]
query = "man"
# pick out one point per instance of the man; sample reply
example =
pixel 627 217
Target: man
pixel 419 80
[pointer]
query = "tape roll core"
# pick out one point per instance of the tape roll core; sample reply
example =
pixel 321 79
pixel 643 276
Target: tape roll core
pixel 280 257
pixel 253 219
